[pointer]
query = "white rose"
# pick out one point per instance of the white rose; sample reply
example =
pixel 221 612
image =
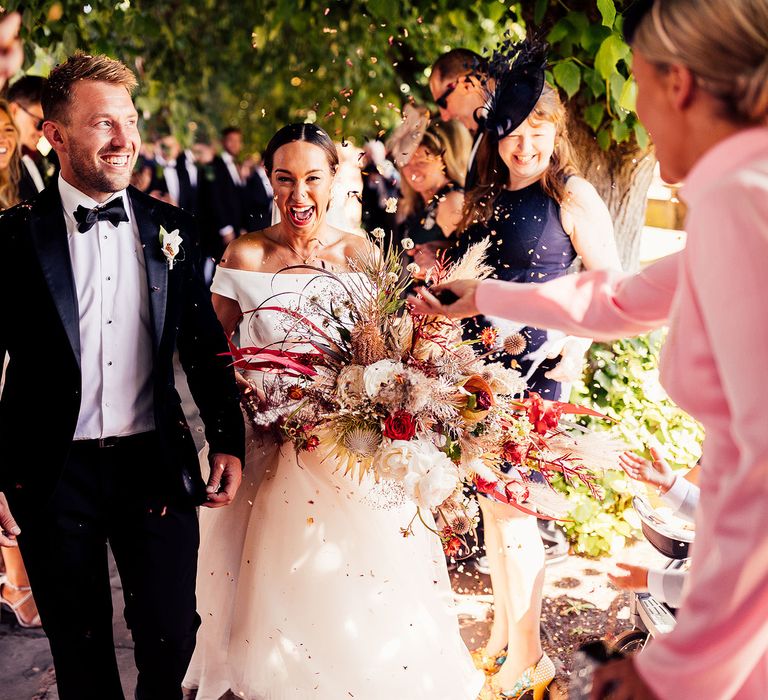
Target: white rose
pixel 391 205
pixel 431 477
pixel 378 374
pixel 392 459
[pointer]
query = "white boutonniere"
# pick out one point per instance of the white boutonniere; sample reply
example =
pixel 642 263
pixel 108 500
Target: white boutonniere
pixel 170 244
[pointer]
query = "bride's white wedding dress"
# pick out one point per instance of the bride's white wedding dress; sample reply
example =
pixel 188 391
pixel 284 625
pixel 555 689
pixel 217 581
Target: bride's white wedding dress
pixel 305 589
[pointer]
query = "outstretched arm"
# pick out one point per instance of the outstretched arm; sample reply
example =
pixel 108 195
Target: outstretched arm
pixel 601 304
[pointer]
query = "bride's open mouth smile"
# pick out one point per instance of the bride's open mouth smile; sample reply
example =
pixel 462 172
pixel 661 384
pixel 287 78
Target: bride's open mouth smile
pixel 301 216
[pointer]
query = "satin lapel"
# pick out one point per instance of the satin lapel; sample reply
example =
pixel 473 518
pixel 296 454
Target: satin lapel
pixel 156 265
pixel 49 235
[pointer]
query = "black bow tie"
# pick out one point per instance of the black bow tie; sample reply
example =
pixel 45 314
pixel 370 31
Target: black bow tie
pixel 114 212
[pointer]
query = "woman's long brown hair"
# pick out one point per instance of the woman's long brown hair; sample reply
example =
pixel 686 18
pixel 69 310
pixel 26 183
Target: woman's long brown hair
pixel 10 176
pixel 493 174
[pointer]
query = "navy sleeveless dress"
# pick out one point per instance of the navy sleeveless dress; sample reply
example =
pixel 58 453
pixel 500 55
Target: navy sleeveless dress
pixel 528 244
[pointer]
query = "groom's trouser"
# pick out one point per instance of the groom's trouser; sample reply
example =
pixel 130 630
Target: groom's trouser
pixel 114 495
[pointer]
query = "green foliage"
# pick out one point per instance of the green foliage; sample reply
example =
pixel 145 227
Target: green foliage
pixel 347 64
pixel 622 382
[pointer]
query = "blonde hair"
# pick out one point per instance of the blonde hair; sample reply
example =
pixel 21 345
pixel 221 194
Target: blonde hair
pixel 57 93
pixel 493 174
pixel 451 142
pixel 724 43
pixel 10 176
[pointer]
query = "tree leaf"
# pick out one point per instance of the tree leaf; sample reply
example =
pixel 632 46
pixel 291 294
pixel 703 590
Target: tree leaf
pixel 641 136
pixel 607 11
pixel 568 76
pixel 539 11
pixel 604 141
pixel 561 30
pixel 595 82
pixel 619 130
pixel 611 51
pixel 593 115
pixel 628 98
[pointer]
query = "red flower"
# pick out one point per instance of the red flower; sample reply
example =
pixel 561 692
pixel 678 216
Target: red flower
pixel 484 400
pixel 400 426
pixel 484 486
pixel 312 443
pixel 451 543
pixel 544 415
pixel 514 452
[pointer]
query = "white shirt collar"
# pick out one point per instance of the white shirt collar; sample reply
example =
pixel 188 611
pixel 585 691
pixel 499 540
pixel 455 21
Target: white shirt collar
pixel 71 198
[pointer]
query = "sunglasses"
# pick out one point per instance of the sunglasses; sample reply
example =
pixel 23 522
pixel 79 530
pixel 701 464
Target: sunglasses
pixel 40 120
pixel 442 101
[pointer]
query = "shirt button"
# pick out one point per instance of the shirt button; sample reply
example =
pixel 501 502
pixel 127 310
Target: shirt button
pixel 109 277
pixel 109 364
pixel 109 322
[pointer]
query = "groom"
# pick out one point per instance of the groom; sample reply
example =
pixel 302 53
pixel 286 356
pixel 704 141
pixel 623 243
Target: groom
pixel 94 447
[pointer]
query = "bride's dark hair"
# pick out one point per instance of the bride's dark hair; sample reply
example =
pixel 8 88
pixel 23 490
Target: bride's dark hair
pixel 300 132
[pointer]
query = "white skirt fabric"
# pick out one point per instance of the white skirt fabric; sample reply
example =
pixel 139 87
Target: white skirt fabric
pixel 307 590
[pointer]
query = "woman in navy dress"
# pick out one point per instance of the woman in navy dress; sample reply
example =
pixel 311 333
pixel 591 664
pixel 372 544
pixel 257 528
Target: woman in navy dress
pixel 540 217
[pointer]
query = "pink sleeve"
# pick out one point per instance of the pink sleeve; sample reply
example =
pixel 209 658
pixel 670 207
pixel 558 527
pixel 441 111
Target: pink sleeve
pixel 722 632
pixel 602 304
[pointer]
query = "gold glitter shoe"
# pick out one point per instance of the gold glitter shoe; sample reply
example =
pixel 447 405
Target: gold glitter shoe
pixel 488 664
pixel 532 684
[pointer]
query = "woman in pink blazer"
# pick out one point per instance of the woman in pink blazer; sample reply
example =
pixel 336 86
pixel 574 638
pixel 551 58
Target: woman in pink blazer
pixel 702 76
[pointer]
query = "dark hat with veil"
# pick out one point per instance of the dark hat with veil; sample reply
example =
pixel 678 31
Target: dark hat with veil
pixel 513 80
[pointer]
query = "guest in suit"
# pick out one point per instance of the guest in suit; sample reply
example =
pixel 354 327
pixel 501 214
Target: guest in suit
pixel 101 452
pixel 222 200
pixel 177 172
pixel 257 196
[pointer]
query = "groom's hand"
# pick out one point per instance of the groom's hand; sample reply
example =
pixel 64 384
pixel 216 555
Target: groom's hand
pixel 8 527
pixel 225 478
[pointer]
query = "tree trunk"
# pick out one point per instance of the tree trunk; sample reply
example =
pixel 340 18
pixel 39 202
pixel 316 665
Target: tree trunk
pixel 622 176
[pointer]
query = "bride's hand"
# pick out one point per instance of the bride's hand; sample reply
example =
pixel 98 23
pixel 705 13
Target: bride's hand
pixel 428 305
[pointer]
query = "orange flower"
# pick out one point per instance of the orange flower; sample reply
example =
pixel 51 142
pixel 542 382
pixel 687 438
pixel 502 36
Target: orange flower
pixel 296 393
pixel 488 337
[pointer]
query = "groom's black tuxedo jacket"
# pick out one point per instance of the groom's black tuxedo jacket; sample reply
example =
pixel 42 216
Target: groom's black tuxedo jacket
pixel 39 328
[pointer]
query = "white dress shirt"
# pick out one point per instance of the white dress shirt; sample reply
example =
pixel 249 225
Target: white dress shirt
pixel 115 332
pixel 34 172
pixel 171 174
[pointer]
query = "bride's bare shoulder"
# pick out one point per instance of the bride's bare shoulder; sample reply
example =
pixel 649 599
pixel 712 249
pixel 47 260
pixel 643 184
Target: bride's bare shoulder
pixel 355 244
pixel 249 252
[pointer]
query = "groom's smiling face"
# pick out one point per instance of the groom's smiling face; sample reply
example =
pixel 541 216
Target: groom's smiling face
pixel 99 143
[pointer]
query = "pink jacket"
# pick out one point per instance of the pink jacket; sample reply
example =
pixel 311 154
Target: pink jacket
pixel 714 296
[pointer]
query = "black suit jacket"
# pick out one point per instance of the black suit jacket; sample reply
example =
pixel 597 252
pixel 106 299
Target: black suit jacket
pixel 187 192
pixel 222 203
pixel 258 204
pixel 39 328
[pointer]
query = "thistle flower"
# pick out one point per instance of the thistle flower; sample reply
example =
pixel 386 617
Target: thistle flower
pixel 378 233
pixel 488 337
pixel 362 441
pixel 515 344
pixel 407 243
pixel 461 524
pixel 413 268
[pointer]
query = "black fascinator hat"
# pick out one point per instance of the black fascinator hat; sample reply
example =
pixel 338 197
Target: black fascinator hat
pixel 514 79
pixel 633 15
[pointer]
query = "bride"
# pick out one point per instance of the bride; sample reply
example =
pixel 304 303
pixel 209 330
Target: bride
pixel 305 588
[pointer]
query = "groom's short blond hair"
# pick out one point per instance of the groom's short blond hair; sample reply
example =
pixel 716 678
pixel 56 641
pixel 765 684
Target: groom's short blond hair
pixel 57 94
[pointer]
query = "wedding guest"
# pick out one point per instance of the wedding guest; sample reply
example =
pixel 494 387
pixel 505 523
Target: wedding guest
pixel 24 99
pixel 539 216
pixel 116 464
pixel 432 189
pixel 15 591
pixel 222 200
pixel 258 194
pixel 456 84
pixel 176 173
pixel 381 188
pixel 11 50
pixel 682 496
pixel 702 77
